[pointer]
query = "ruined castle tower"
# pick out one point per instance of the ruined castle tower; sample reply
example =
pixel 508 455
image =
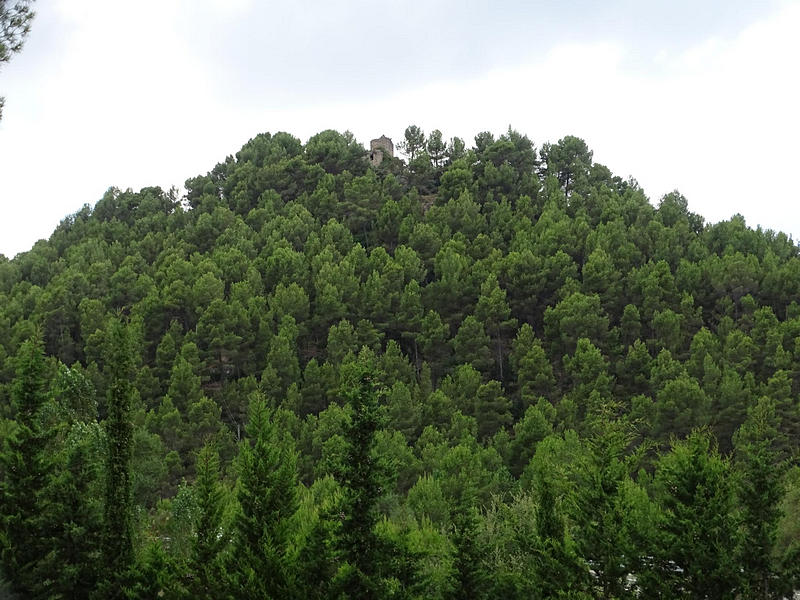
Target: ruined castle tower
pixel 378 148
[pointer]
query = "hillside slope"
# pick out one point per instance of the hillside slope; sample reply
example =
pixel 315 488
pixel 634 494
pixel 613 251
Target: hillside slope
pixel 533 321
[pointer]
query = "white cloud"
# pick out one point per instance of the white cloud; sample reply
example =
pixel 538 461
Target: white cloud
pixel 718 121
pixel 128 102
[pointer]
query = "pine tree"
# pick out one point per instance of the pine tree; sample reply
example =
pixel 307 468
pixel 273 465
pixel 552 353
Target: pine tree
pixel 470 577
pixel 602 537
pixel 156 575
pixel 760 489
pixel 118 526
pixel 15 23
pixel 316 558
pixel 72 506
pixel 471 345
pixel 364 555
pixel 493 311
pixel 25 467
pixel 557 568
pixel 258 566
pixel 696 555
pixel 210 539
pixel 203 569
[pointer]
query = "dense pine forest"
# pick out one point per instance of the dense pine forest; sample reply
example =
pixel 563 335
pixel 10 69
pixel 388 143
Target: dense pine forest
pixel 486 372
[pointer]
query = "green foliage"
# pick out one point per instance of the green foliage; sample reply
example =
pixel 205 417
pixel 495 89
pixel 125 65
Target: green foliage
pixel 205 568
pixel 364 554
pixel 258 566
pixel 568 160
pixel 471 578
pixel 15 23
pixel 759 489
pixel 557 566
pixel 471 345
pixel 26 464
pixel 414 141
pixel 487 366
pixel 698 540
pixel 603 506
pixel 72 507
pixel 155 575
pixel 117 521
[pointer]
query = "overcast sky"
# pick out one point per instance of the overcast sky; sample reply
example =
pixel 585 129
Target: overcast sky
pixel 703 97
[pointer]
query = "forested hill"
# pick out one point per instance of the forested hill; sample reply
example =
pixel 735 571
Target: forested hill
pixel 481 372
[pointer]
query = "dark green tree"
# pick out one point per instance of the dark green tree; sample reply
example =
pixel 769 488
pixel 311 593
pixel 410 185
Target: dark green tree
pixel 433 339
pixel 456 149
pixel 206 575
pixel 556 566
pixel 437 148
pixel 470 574
pixel 759 490
pixel 15 23
pixel 118 516
pixel 697 547
pixel 364 555
pixel 336 152
pixel 603 512
pixel 471 345
pixel 493 310
pixel 413 141
pixel 72 515
pixel 569 160
pixel 25 468
pixel 155 575
pixel 492 409
pixel 534 372
pixel 535 425
pixel 184 385
pixel 258 565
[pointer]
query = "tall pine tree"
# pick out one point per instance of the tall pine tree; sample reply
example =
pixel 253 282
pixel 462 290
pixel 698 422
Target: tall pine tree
pixel 759 490
pixel 366 557
pixel 25 468
pixel 695 555
pixel 118 525
pixel 210 538
pixel 259 566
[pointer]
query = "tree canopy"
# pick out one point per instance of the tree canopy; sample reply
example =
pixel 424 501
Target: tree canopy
pixel 489 371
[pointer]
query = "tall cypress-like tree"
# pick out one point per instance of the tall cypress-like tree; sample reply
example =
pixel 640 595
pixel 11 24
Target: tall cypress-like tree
pixel 557 568
pixel 25 468
pixel 363 553
pixel 259 567
pixel 118 526
pixel 601 508
pixel 210 539
pixel 72 515
pixel 759 489
pixel 470 576
pixel 696 553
